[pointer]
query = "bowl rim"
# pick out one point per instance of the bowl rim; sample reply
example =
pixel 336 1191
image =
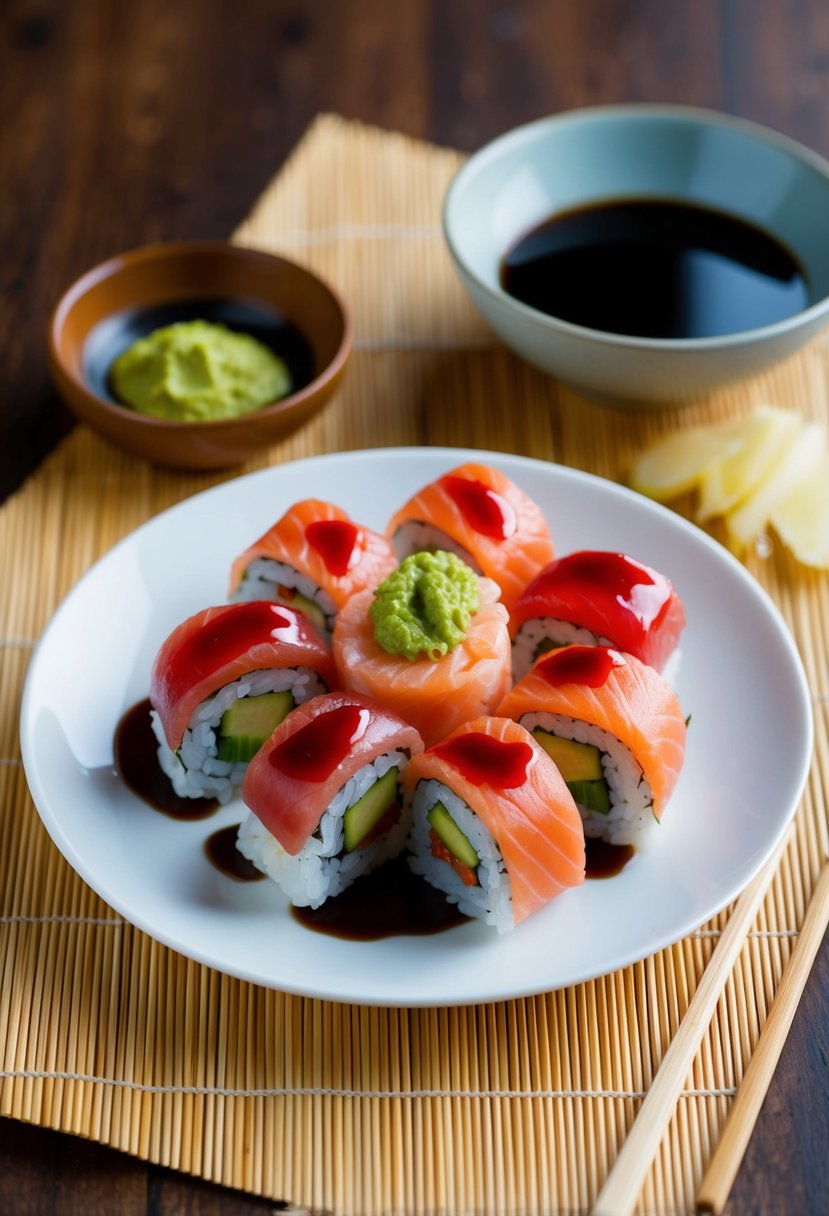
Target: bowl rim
pixel 161 250
pixel 528 132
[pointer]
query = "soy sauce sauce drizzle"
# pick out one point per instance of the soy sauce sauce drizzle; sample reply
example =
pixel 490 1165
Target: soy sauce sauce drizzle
pixel 391 901
pixel 605 860
pixel 136 757
pixel 220 850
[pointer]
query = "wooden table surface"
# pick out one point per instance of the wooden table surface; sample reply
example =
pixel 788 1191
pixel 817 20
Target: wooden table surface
pixel 124 123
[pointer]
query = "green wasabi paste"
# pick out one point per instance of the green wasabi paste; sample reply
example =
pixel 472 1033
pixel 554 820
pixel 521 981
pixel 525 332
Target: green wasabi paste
pixel 195 371
pixel 425 606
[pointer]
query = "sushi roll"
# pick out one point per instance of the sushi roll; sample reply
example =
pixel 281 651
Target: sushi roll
pixel 476 512
pixel 598 598
pixel 418 646
pixel 615 729
pixel 324 796
pixel 493 823
pixel 222 681
pixel 314 558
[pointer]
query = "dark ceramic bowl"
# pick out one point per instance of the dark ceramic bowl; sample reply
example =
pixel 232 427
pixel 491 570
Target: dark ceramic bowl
pixel 280 303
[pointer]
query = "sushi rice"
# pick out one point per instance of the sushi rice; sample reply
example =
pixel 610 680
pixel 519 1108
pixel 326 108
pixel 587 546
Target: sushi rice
pixel 321 869
pixel 415 537
pixel 264 575
pixel 491 899
pixel 195 769
pixel 631 816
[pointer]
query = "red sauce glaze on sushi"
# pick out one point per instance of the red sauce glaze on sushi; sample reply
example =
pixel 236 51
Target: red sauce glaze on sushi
pixel 483 509
pixel 488 517
pixel 226 635
pixel 338 543
pixel 321 541
pixel 589 665
pixel 484 760
pixel 313 752
pixel 612 595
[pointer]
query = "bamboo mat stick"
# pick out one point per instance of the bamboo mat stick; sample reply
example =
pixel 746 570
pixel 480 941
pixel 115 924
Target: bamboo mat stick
pixel 624 1182
pixel 722 1169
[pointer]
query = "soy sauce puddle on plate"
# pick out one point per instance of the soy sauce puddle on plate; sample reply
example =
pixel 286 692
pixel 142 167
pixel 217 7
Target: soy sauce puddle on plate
pixel 136 757
pixel 220 850
pixel 391 901
pixel 606 860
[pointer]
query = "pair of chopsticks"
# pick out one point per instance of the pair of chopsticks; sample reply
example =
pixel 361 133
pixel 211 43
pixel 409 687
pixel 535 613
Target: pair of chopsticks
pixel 624 1182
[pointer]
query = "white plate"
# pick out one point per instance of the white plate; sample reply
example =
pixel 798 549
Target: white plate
pixel 749 746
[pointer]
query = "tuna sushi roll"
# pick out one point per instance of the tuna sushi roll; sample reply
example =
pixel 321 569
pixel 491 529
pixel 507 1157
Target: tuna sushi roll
pixel 431 643
pixel 324 796
pixel 476 512
pixel 597 598
pixel 494 825
pixel 222 682
pixel 314 558
pixel 615 729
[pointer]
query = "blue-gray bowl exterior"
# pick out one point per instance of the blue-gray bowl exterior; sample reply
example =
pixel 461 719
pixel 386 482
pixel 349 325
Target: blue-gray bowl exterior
pixel 615 152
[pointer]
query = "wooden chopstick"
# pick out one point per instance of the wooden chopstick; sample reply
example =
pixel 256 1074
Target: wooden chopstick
pixel 722 1168
pixel 624 1182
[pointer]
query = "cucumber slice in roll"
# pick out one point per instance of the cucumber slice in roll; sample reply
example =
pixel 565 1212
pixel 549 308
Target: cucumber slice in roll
pixel 248 723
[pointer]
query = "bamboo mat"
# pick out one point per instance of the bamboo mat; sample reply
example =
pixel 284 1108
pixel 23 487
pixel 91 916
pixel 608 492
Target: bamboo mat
pixel 519 1107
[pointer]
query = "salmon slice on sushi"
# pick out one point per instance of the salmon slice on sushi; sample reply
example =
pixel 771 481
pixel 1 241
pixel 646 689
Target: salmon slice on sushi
pixel 476 512
pixel 494 825
pixel 324 796
pixel 221 683
pixel 431 643
pixel 593 597
pixel 314 559
pixel 615 729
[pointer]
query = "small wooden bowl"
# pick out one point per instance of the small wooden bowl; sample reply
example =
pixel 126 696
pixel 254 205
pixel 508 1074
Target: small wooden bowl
pixel 121 300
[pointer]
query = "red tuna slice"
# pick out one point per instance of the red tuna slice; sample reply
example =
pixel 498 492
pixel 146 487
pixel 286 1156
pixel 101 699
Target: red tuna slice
pixel 614 596
pixel 219 645
pixel 295 776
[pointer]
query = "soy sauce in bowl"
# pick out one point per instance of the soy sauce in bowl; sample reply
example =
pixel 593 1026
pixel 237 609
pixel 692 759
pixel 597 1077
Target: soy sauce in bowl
pixel 654 268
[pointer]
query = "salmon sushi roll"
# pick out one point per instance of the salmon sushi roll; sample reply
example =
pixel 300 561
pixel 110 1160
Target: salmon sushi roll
pixel 602 599
pixel 324 796
pixel 476 512
pixel 615 729
pixel 494 825
pixel 434 662
pixel 314 559
pixel 221 683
